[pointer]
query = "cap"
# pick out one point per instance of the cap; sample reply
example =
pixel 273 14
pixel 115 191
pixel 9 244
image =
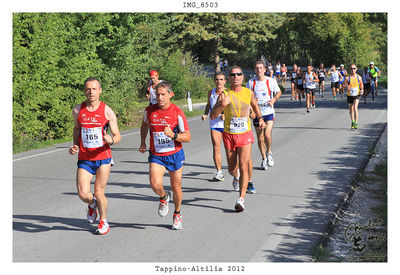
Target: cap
pixel 153 73
pixel 371 63
pixel 341 65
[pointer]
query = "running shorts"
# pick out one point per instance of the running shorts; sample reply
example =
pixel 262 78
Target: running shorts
pixel 218 129
pixel 172 162
pixel 350 99
pixel 92 165
pixel 321 78
pixel 233 141
pixel 300 87
pixel 310 91
pixel 335 85
pixel 277 73
pixel 266 118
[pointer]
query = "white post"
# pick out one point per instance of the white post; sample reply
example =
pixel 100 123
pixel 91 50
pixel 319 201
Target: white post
pixel 189 102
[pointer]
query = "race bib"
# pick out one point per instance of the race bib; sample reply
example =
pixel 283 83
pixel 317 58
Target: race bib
pixel 163 143
pixel 265 108
pixel 354 91
pixel 92 137
pixel 239 125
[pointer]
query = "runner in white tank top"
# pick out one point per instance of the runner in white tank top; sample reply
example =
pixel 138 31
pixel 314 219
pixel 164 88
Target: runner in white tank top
pixel 216 125
pixel 267 92
pixel 310 80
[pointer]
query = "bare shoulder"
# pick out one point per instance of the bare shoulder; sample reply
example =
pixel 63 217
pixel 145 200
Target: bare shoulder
pixel 110 115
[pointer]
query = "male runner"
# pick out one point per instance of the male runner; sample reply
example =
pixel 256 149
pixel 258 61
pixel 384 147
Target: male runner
pixel 335 77
pixel 237 136
pixel 284 72
pixel 321 77
pixel 293 82
pixel 374 73
pixel 264 89
pixel 367 84
pixel 216 125
pixel 354 87
pixel 343 73
pixel 168 129
pixel 309 79
pixel 92 119
pixel 151 90
pixel 278 71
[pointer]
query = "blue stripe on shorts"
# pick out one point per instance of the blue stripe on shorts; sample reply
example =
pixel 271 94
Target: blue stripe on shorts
pixel 92 165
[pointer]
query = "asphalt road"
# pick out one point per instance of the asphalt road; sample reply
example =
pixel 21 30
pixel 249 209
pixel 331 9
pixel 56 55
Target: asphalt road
pixel 316 158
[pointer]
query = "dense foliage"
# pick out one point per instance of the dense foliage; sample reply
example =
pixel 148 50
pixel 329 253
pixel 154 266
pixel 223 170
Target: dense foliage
pixel 53 53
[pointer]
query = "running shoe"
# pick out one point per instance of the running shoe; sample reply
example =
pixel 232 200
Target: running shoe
pixel 235 184
pixel 313 105
pixel 239 206
pixel 91 214
pixel 270 160
pixel 264 165
pixel 334 98
pixel 163 207
pixel 177 222
pixel 308 110
pixel 352 126
pixel 355 125
pixel 103 228
pixel 250 188
pixel 219 176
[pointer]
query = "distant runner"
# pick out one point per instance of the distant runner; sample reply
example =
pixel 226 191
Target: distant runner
pixel 321 77
pixel 354 85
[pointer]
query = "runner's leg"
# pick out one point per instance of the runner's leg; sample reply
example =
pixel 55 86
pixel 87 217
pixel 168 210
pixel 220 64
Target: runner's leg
pixel 100 184
pixel 83 179
pixel 156 175
pixel 216 138
pixel 176 180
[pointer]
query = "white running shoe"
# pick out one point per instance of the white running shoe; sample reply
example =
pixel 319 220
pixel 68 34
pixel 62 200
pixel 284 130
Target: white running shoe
pixel 103 228
pixel 163 207
pixel 270 160
pixel 177 222
pixel 91 214
pixel 219 176
pixel 264 165
pixel 239 206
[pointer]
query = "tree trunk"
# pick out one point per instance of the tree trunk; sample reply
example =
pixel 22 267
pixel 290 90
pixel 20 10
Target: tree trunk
pixel 216 55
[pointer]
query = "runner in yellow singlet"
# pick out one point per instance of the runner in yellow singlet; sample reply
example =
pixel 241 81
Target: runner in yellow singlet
pixel 355 88
pixel 238 136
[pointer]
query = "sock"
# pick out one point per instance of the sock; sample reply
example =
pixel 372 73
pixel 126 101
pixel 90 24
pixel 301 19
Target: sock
pixel 164 198
pixel 177 212
pixel 94 203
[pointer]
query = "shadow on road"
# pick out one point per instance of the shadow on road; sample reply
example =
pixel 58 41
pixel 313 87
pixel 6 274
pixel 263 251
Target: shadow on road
pixel 312 217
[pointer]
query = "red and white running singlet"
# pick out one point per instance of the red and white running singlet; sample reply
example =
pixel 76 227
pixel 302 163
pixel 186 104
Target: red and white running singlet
pixel 93 127
pixel 158 119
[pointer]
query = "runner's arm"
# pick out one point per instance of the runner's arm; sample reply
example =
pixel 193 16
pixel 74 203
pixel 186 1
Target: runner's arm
pixel 207 110
pixel 257 111
pixel 222 102
pixel 112 120
pixel 77 130
pixel 144 128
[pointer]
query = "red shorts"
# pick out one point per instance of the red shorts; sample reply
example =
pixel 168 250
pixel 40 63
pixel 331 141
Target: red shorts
pixel 233 141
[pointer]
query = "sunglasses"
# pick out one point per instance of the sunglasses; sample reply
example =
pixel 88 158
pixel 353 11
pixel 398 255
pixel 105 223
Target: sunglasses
pixel 354 68
pixel 235 74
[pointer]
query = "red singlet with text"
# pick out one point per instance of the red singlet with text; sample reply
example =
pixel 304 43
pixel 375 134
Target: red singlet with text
pixel 94 126
pixel 158 119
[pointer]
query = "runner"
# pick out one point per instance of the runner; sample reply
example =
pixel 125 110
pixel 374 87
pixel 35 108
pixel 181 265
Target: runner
pixel 300 86
pixel 374 73
pixel 216 125
pixel 225 64
pixel 367 84
pixel 309 79
pixel 321 77
pixel 278 71
pixel 336 76
pixel 343 73
pixel 264 89
pixel 293 82
pixel 168 129
pixel 237 135
pixel 354 87
pixel 271 74
pixel 151 89
pixel 92 119
pixel 284 71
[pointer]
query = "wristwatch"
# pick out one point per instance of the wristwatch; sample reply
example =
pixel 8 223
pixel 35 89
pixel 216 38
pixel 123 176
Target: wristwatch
pixel 175 136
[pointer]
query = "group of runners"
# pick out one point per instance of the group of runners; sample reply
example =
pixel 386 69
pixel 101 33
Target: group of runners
pixel 230 111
